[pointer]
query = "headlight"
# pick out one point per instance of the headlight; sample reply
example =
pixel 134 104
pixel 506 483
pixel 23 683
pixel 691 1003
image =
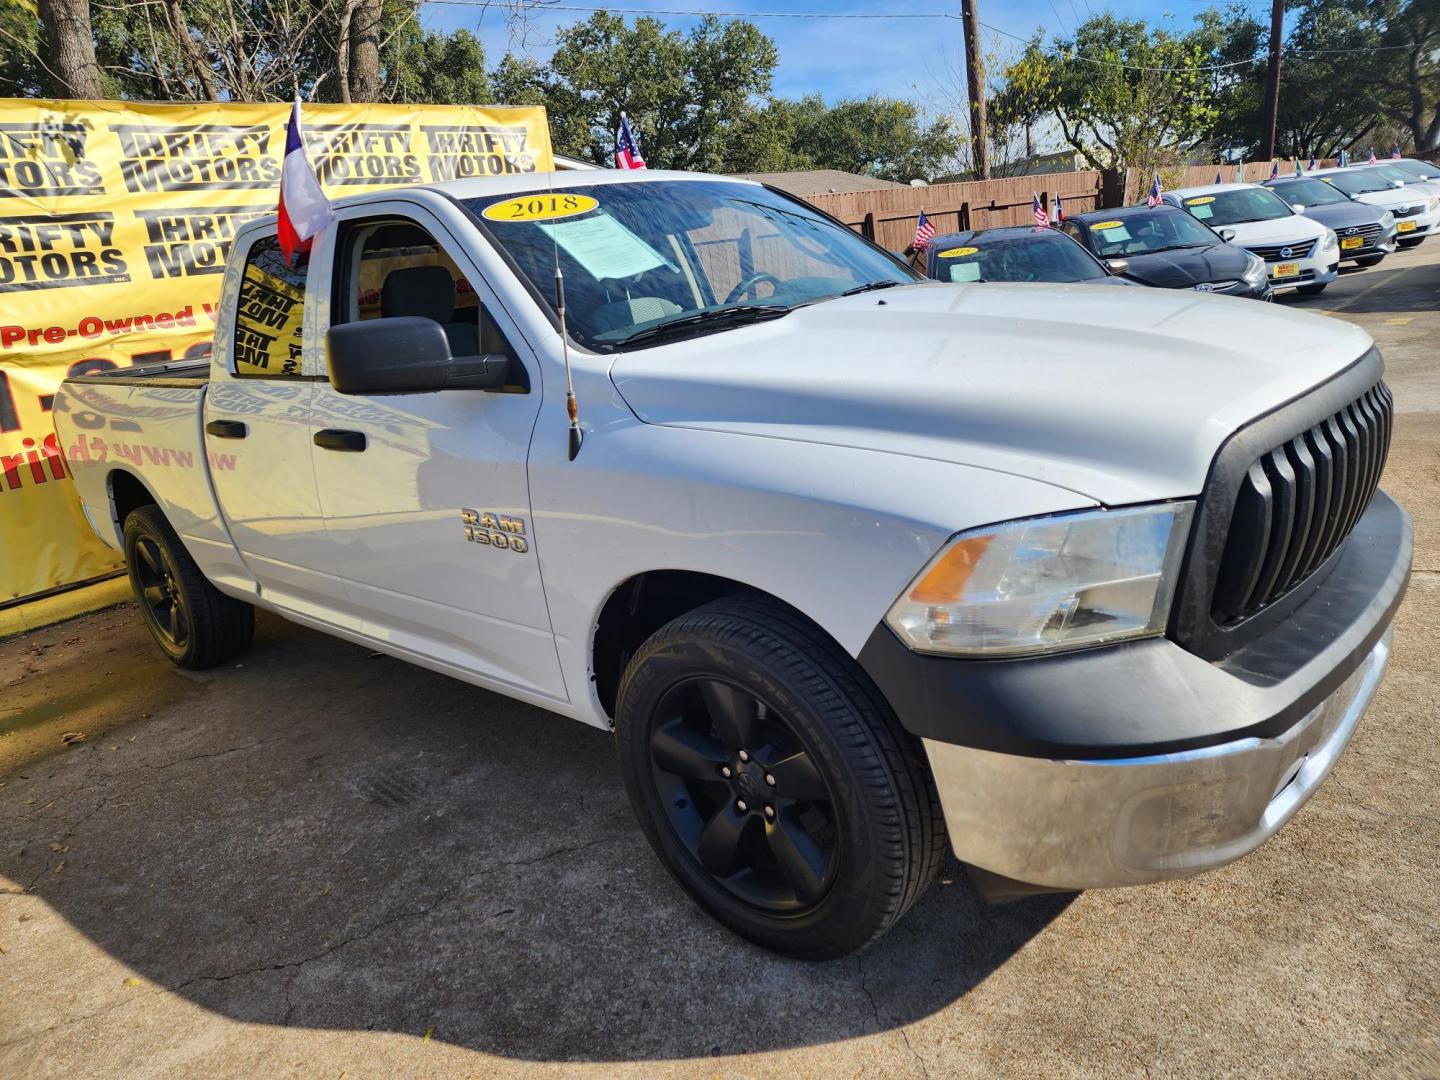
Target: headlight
pixel 1047 584
pixel 1434 205
pixel 1255 269
pixel 1387 219
pixel 1330 240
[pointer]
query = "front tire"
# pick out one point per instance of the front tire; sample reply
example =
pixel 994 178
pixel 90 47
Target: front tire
pixel 1410 243
pixel 1312 290
pixel 194 623
pixel 773 781
pixel 1369 261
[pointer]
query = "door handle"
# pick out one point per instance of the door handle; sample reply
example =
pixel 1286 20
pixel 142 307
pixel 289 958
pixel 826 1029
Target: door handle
pixel 226 429
pixel 336 439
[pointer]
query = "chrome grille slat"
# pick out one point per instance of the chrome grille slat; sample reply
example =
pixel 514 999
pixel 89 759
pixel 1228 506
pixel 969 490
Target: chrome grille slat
pixel 1298 502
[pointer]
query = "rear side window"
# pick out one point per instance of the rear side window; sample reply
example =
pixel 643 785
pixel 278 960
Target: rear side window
pixel 270 313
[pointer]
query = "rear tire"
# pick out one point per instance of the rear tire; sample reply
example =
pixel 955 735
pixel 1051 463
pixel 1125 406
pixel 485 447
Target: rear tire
pixel 194 623
pixel 1312 290
pixel 773 781
pixel 1370 260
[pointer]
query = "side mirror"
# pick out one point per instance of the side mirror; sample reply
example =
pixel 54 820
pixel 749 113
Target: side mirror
pixel 1118 266
pixel 405 354
pixel 1298 207
pixel 1397 183
pixel 1226 234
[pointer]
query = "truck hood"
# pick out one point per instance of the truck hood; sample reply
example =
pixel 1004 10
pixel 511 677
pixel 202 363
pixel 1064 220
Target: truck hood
pixel 1121 395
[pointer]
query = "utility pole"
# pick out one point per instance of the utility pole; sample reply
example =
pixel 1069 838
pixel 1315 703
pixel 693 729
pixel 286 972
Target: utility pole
pixel 1272 86
pixel 975 80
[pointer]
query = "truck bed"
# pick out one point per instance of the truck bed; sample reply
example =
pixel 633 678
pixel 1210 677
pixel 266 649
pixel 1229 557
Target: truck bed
pixel 189 373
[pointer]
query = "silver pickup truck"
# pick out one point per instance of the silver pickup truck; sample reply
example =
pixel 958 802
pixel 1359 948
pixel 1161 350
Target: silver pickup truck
pixel 1089 585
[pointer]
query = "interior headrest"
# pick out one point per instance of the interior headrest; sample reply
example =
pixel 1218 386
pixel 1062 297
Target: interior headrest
pixel 426 291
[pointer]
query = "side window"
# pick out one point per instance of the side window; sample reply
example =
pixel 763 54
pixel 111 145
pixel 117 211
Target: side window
pixel 270 312
pixel 393 267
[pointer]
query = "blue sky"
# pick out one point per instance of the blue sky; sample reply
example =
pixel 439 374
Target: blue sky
pixel 911 58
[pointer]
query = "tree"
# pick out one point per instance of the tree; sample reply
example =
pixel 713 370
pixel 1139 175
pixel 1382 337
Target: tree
pixel 1123 94
pixel 21 73
pixel 877 136
pixel 71 65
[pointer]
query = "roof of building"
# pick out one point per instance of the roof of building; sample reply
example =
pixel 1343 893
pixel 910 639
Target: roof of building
pixel 819 181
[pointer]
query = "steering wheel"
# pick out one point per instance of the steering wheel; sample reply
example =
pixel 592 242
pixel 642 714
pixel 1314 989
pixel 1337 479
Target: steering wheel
pixel 748 285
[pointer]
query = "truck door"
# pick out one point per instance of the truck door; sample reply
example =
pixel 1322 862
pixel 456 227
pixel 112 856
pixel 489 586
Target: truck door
pixel 425 495
pixel 258 429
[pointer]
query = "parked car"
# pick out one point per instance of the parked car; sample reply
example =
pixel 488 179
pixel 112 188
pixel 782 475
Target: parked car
pixel 1013 253
pixel 1166 247
pixel 1366 232
pixel 843 557
pixel 1300 253
pixel 1398 177
pixel 1420 170
pixel 1417 212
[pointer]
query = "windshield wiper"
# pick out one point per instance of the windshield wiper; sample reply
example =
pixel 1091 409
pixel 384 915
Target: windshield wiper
pixel 1171 247
pixel 717 319
pixel 870 286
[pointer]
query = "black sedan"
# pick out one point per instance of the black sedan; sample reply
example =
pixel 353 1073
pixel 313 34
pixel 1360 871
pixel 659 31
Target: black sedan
pixel 1366 233
pixel 1016 253
pixel 1167 248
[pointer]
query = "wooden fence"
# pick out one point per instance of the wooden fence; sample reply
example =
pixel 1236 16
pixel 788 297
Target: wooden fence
pixel 889 216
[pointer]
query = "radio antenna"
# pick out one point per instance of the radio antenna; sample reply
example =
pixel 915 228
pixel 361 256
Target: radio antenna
pixel 572 406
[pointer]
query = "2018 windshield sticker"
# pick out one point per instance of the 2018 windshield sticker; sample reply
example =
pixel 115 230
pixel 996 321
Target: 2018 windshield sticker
pixel 539 207
pixel 1110 225
pixel 1200 200
pixel 956 253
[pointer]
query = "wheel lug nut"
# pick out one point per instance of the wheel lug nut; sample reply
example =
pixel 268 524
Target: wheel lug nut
pixel 742 806
pixel 770 812
pixel 725 771
pixel 744 755
pixel 769 779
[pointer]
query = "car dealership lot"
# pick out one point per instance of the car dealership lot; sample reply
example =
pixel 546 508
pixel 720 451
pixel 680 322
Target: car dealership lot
pixel 324 861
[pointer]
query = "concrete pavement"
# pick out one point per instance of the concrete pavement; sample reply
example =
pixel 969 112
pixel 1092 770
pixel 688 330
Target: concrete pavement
pixel 325 862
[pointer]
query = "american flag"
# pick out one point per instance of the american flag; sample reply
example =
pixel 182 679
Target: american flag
pixel 1059 214
pixel 1042 219
pixel 1153 199
pixel 627 147
pixel 1395 152
pixel 1274 170
pixel 1372 155
pixel 924 232
pixel 1217 177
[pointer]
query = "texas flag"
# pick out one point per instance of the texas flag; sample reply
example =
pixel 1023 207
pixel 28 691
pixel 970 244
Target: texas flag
pixel 304 209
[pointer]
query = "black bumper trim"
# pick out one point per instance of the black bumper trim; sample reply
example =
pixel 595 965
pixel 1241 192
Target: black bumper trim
pixel 1152 696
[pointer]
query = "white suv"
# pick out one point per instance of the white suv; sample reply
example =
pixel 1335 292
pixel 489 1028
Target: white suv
pixel 1299 252
pixel 1415 204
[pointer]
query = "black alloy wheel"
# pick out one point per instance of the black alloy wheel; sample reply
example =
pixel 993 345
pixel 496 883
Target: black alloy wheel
pixel 192 621
pixel 744 795
pixel 773 780
pixel 161 600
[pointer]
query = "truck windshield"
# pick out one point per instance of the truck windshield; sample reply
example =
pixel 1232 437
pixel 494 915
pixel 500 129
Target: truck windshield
pixel 1237 206
pixel 652 261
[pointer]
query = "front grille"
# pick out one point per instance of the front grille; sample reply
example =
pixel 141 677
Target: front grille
pixel 1297 504
pixel 1365 232
pixel 1300 249
pixel 1408 211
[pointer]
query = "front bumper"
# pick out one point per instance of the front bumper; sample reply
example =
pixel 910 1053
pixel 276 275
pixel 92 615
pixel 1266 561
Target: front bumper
pixel 1140 761
pixel 1382 243
pixel 1129 821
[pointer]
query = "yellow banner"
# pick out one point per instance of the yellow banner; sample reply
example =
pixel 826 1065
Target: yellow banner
pixel 115 222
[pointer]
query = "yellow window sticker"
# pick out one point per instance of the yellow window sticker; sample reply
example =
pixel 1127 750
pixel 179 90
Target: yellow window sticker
pixel 957 253
pixel 1200 200
pixel 547 207
pixel 1110 225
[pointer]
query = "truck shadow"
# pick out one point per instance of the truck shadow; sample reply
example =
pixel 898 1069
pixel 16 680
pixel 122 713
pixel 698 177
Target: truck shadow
pixel 327 838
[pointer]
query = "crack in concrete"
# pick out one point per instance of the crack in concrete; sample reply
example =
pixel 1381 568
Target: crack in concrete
pixel 879 1024
pixel 564 850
